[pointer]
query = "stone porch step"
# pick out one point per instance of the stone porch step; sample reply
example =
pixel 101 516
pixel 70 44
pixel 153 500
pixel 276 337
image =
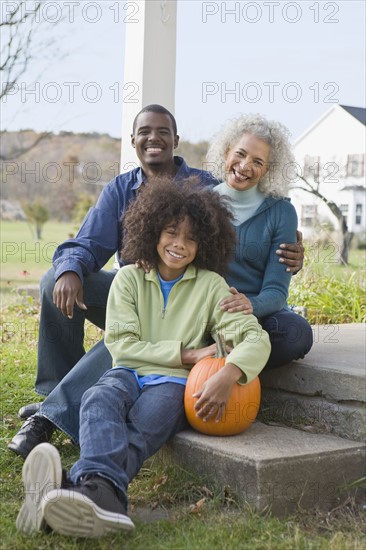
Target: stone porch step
pixel 326 391
pixel 274 468
pixel 280 468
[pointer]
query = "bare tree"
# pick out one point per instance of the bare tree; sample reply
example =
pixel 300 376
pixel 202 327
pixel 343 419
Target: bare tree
pixel 347 236
pixel 21 149
pixel 19 27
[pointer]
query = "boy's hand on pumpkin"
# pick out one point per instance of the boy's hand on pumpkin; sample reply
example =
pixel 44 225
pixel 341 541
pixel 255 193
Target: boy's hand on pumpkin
pixel 192 356
pixel 237 302
pixel 215 392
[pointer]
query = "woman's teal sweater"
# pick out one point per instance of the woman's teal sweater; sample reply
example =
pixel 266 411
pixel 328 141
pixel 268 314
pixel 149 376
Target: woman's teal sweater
pixel 256 271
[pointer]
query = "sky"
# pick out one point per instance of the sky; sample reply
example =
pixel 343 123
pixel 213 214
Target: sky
pixel 290 61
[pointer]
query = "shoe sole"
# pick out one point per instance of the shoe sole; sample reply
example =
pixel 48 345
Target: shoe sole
pixel 41 474
pixel 74 514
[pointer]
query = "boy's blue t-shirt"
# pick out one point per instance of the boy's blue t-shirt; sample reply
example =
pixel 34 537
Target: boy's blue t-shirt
pixel 166 286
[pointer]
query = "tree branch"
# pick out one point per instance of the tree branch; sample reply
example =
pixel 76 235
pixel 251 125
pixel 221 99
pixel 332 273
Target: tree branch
pixel 334 208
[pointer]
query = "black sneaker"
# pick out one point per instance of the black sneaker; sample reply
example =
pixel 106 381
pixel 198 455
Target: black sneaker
pixel 28 410
pixel 92 509
pixel 35 430
pixel 42 473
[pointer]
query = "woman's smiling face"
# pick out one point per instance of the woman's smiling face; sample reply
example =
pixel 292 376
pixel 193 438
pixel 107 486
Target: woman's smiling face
pixel 247 162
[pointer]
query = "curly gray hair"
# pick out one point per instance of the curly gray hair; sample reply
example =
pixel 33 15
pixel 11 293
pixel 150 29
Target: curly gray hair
pixel 281 160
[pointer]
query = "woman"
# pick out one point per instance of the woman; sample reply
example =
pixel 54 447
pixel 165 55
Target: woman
pixel 252 156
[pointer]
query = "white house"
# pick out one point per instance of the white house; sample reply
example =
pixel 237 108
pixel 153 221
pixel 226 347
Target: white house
pixel 331 156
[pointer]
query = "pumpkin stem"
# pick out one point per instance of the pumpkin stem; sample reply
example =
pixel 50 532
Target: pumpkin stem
pixel 221 349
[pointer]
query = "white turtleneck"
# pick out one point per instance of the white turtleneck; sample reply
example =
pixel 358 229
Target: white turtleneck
pixel 243 203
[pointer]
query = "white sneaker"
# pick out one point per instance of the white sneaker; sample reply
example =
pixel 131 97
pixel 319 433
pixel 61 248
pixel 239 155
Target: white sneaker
pixel 42 473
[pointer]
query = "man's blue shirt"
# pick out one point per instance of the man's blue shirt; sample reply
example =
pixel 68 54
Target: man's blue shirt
pixel 99 236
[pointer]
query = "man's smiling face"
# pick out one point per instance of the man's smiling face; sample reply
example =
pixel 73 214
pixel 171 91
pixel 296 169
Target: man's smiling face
pixel 155 140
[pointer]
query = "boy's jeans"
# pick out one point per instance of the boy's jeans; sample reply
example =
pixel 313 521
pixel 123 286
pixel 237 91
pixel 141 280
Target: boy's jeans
pixel 122 425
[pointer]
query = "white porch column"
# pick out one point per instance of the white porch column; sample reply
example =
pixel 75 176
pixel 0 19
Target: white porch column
pixel 150 58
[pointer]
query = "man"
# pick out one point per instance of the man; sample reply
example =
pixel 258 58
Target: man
pixel 76 288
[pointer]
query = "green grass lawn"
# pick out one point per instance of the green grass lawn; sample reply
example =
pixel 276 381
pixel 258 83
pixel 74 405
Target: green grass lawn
pixel 23 259
pixel 322 261
pixel 332 293
pixel 21 252
pixel 172 509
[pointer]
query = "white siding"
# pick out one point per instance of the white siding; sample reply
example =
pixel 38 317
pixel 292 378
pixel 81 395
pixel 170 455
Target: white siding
pixel 332 138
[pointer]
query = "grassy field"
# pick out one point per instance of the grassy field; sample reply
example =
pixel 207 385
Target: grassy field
pixel 23 259
pixel 172 509
pixel 321 259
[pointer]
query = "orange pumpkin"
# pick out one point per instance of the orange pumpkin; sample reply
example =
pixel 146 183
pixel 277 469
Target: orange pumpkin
pixel 241 408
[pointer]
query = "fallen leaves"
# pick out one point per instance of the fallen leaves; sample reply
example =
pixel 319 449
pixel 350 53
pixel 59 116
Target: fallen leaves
pixel 195 508
pixel 160 481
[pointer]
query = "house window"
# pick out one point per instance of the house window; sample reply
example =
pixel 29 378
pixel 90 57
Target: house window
pixel 344 209
pixel 311 168
pixel 355 166
pixel 358 218
pixel 309 214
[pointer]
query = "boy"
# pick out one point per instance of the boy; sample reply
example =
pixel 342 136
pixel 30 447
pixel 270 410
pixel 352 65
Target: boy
pixel 157 326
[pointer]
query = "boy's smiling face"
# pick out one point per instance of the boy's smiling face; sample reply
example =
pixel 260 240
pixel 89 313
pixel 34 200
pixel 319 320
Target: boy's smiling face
pixel 176 249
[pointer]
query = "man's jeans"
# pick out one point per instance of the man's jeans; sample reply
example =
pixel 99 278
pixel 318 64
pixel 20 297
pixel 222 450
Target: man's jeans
pixel 122 425
pixel 61 340
pixel 62 406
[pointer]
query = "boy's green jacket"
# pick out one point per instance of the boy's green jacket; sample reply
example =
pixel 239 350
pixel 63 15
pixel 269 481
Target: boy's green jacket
pixel 142 335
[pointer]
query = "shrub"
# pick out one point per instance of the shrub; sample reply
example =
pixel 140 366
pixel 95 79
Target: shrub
pixel 329 299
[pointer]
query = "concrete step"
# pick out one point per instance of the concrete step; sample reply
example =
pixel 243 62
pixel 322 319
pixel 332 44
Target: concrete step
pixel 274 468
pixel 281 468
pixel 325 391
